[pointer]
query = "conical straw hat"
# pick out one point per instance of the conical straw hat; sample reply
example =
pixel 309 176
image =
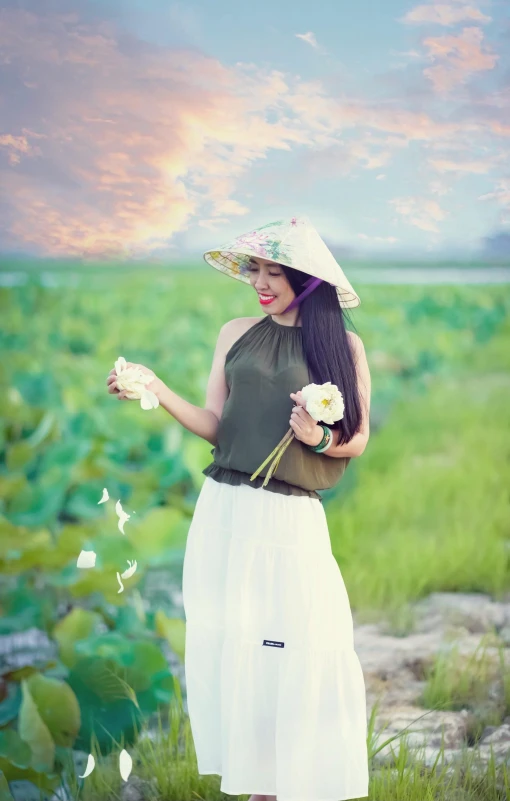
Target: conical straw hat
pixel 293 242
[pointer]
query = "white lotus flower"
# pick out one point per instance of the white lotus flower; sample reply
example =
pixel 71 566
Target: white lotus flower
pixel 324 402
pixel 135 381
pixel 120 583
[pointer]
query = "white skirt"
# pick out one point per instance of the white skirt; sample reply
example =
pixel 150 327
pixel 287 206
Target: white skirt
pixel 275 690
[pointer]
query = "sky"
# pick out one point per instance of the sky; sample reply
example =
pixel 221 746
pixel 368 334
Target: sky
pixel 147 128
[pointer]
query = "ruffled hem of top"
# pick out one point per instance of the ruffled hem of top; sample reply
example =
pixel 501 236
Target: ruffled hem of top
pixel 225 475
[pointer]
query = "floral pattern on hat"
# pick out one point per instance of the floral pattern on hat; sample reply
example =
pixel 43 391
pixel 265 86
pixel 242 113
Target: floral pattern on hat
pixel 271 225
pixel 259 245
pixel 253 240
pixel 252 243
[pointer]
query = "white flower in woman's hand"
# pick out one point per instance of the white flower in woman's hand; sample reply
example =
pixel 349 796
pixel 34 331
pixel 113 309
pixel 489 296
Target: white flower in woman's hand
pixel 324 402
pixel 303 425
pixel 132 381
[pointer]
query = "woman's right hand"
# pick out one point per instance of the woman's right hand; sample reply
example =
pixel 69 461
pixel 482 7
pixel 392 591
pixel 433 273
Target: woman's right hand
pixel 154 386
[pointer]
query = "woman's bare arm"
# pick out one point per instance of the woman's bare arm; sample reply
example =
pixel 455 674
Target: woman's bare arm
pixel 358 443
pixel 204 422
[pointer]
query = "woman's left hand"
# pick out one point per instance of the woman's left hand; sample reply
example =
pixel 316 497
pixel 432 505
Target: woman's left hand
pixel 305 428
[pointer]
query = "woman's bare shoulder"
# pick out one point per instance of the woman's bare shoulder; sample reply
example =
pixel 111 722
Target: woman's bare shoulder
pixel 238 326
pixel 241 324
pixel 246 322
pixel 356 342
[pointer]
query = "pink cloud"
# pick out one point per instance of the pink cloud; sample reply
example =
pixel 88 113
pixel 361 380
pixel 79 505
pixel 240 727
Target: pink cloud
pixel 444 13
pixel 468 167
pixel 458 58
pixel 15 146
pixel 136 140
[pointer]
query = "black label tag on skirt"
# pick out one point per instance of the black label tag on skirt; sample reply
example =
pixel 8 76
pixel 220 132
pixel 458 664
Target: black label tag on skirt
pixel 274 643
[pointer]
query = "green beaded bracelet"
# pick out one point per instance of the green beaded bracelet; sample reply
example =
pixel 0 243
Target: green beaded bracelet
pixel 324 441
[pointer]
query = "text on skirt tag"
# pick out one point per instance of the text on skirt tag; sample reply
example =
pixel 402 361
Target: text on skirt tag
pixel 275 643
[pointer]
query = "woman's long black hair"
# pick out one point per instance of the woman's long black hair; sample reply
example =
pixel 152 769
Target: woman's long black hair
pixel 326 348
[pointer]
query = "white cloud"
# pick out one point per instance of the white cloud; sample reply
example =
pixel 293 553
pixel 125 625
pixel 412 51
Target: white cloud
pixel 308 37
pixel 421 212
pixel 388 239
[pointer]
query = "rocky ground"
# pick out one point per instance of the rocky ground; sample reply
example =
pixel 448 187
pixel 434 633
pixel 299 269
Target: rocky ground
pixel 395 669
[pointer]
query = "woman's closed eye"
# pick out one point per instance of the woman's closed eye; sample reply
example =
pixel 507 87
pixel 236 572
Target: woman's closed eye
pixel 255 269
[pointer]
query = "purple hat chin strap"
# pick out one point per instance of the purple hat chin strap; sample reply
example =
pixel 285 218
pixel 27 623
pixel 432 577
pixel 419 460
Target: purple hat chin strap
pixel 310 285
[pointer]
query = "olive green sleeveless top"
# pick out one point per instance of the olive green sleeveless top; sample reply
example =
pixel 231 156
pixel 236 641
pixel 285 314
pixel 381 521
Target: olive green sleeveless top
pixel 262 368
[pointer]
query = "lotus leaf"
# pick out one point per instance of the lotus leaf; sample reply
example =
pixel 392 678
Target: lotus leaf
pixel 35 733
pixel 13 748
pixel 108 706
pixel 36 504
pixel 57 706
pixel 77 625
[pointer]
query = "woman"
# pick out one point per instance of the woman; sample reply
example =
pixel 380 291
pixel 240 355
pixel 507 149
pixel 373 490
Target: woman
pixel 275 690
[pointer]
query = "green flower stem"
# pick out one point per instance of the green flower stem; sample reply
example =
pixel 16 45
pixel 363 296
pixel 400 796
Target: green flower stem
pixel 276 462
pixel 284 439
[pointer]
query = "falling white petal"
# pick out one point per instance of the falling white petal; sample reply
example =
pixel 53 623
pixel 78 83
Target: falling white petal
pixel 121 584
pixel 123 516
pixel 105 497
pixel 125 764
pixel 86 559
pixel 91 764
pixel 130 570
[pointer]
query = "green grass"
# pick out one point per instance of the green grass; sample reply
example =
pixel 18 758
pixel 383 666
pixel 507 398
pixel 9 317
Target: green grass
pixel 430 505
